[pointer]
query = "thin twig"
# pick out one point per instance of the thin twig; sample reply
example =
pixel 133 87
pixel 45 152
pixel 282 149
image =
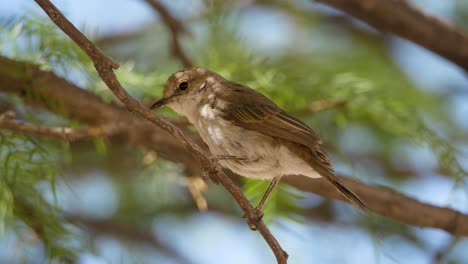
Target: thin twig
pixel 104 67
pixel 64 133
pixel 176 28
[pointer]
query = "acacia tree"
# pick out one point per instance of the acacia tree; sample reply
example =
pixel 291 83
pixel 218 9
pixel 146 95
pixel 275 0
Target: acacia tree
pixel 66 105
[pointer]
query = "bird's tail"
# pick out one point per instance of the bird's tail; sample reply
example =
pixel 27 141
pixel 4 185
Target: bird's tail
pixel 328 174
pixel 347 193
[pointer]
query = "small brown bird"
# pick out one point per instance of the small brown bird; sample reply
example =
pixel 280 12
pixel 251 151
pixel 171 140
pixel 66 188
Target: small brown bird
pixel 247 132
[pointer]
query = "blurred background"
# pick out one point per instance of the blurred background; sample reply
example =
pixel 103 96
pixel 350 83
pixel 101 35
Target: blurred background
pixel 398 118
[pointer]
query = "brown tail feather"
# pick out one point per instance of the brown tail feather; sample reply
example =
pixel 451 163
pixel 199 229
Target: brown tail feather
pixel 321 164
pixel 347 193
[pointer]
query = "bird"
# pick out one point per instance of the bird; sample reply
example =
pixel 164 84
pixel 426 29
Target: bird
pixel 247 133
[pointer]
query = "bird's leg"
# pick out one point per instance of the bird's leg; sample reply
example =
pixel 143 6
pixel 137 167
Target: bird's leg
pixel 259 207
pixel 272 185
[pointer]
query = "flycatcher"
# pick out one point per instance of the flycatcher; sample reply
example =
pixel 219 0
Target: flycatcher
pixel 247 132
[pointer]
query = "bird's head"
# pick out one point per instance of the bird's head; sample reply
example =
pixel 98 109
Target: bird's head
pixel 187 88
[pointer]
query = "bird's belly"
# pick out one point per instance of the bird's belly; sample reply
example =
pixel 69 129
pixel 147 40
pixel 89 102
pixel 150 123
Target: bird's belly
pixel 254 154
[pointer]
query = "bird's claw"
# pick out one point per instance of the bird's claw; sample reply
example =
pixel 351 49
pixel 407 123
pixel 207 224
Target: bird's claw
pixel 258 217
pixel 209 172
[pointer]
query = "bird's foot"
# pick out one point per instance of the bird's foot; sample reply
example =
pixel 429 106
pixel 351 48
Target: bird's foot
pixel 257 218
pixel 209 172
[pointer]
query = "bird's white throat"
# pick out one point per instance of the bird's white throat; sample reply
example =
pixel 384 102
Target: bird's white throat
pixel 189 106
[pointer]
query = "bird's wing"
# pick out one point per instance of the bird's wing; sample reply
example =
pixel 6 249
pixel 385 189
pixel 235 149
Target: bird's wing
pixel 270 120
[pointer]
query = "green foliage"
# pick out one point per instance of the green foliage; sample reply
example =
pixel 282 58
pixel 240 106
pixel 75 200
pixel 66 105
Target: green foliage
pixel 28 169
pixel 39 41
pixel 30 166
pixel 6 204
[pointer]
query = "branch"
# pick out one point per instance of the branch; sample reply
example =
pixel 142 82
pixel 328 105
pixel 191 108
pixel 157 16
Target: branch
pixel 176 28
pixel 390 203
pixel 63 133
pixel 104 67
pixel 403 19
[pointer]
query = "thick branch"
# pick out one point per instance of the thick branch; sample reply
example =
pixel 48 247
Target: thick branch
pixel 390 203
pixel 104 67
pixel 403 19
pixel 176 28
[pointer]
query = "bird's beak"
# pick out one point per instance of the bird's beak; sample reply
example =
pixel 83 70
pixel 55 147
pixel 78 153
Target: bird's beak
pixel 159 103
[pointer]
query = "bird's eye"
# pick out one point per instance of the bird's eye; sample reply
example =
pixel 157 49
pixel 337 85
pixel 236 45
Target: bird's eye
pixel 183 85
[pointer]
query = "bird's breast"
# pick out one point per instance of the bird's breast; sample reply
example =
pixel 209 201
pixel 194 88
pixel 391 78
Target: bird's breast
pixel 251 154
pixel 259 156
